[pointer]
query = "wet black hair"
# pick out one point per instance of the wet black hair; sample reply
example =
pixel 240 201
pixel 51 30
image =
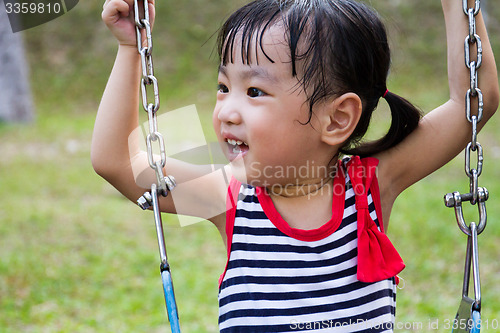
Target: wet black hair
pixel 340 45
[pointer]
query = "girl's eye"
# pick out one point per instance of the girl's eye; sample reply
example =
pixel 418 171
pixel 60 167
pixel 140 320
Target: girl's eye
pixel 255 92
pixel 222 88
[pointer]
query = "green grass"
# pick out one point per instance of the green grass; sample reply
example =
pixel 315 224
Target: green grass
pixel 77 257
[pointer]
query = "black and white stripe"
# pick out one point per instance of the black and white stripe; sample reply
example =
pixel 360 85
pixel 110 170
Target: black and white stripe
pixel 276 283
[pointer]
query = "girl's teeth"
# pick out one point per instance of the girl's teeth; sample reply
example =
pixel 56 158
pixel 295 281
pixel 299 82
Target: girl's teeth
pixel 236 145
pixel 235 142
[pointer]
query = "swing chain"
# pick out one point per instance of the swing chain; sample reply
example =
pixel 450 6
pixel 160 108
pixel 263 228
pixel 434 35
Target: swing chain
pixel 477 195
pixel 468 318
pixel 163 184
pixel 148 81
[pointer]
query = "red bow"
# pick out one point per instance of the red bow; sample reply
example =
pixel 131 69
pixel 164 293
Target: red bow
pixel 377 258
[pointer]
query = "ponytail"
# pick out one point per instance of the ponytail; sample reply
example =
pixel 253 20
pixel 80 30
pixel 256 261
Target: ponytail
pixel 405 119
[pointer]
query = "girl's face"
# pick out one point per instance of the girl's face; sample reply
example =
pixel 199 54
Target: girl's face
pixel 260 114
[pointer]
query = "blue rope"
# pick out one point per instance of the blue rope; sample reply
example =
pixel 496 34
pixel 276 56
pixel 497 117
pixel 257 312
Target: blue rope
pixel 476 322
pixel 168 289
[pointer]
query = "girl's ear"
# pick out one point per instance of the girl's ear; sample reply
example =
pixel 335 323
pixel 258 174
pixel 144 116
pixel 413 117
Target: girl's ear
pixel 340 118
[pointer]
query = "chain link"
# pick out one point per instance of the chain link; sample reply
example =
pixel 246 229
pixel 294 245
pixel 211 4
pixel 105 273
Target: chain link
pixel 473 96
pixel 476 8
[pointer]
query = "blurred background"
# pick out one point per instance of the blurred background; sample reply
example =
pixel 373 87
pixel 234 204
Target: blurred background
pixel 77 257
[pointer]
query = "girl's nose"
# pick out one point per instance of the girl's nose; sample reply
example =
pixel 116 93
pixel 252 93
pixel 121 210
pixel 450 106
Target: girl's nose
pixel 229 114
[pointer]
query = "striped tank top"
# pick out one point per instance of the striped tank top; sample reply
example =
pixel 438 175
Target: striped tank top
pixel 281 279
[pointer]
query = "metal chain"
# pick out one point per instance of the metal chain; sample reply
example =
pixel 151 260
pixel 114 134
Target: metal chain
pixel 468 318
pixel 163 184
pixel 477 195
pixel 151 106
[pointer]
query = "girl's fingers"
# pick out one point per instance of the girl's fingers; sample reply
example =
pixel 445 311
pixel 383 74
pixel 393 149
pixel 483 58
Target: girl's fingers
pixel 118 15
pixel 114 9
pixel 124 7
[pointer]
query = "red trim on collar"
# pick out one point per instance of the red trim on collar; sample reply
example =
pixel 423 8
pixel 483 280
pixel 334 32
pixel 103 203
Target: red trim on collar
pixel 325 230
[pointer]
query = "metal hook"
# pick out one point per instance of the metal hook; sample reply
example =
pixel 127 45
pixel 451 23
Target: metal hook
pixel 455 200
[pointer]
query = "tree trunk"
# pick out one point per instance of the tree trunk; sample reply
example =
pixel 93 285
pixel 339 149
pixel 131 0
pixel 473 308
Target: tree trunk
pixel 15 96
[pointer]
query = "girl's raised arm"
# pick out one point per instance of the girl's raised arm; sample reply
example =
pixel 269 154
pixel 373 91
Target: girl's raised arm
pixel 445 131
pixel 115 151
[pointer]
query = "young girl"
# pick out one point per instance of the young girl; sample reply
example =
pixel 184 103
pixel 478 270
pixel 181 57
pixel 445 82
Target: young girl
pixel 298 82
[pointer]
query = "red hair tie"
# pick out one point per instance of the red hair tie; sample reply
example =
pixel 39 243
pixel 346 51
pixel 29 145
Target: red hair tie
pixel 385 94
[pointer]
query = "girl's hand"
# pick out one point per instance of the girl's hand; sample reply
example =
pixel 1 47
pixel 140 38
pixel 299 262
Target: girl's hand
pixel 118 15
